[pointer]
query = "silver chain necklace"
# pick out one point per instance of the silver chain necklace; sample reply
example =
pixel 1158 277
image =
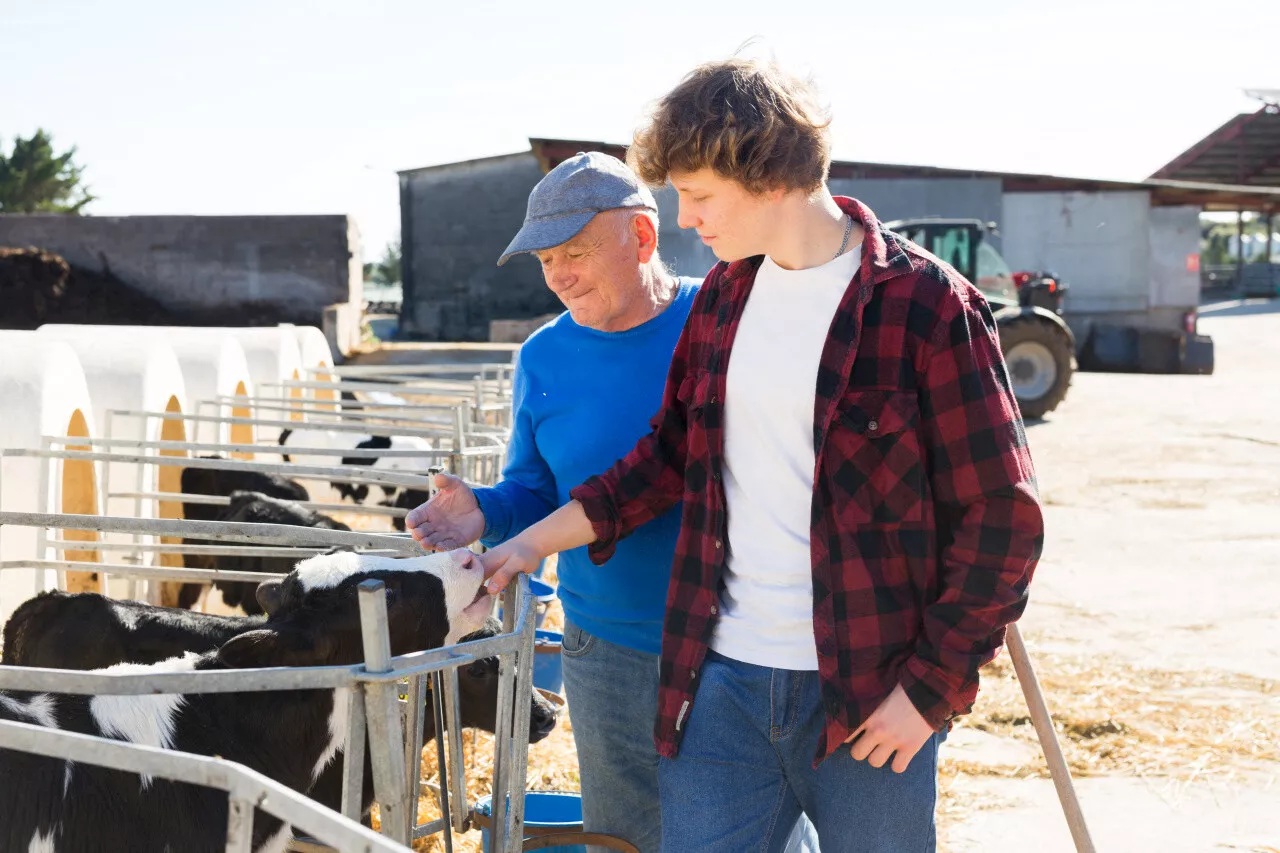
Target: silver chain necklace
pixel 848 229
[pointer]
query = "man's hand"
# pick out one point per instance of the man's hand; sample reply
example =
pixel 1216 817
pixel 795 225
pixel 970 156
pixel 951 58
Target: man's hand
pixel 451 519
pixel 502 563
pixel 895 728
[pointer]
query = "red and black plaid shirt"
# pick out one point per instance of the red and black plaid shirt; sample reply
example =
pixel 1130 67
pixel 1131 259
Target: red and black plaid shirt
pixel 926 525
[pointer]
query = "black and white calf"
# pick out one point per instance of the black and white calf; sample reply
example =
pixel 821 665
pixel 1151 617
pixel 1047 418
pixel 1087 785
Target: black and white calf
pixel 333 440
pixel 64 630
pixel 50 805
pixel 223 484
pixel 256 508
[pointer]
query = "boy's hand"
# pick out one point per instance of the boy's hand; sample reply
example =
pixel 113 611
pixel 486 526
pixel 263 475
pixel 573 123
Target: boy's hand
pixel 504 562
pixel 895 728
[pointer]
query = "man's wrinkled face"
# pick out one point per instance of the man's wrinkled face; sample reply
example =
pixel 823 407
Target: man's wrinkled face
pixel 596 274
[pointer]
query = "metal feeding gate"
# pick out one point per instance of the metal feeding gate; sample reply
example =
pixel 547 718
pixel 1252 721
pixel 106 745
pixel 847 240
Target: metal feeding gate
pixel 394 727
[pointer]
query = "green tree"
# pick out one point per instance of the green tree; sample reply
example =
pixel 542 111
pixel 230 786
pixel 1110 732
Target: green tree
pixel 386 270
pixel 33 179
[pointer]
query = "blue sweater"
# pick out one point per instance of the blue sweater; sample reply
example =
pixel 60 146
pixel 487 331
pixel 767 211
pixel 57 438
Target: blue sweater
pixel 582 400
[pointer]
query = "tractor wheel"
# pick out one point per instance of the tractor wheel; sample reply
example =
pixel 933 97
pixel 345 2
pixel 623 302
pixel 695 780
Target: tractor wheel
pixel 1038 356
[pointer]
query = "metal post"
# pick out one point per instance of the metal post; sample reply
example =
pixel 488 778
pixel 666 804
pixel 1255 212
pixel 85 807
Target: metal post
pixel 502 781
pixel 519 757
pixel 437 709
pixel 353 756
pixel 457 765
pixel 42 534
pixel 1271 270
pixel 1049 741
pixel 413 722
pixel 239 825
pixel 386 743
pixel 1239 248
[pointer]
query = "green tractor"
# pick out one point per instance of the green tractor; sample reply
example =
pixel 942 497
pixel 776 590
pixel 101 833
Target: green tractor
pixel 1039 348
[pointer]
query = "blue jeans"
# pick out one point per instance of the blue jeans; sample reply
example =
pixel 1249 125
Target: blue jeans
pixel 612 692
pixel 745 773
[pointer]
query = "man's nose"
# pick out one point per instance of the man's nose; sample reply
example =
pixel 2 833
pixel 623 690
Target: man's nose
pixel 559 280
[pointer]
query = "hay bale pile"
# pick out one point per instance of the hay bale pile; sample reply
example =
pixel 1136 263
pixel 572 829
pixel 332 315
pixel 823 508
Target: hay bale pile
pixel 38 287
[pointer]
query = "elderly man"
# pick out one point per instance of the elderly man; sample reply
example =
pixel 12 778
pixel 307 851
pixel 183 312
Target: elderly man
pixel 585 387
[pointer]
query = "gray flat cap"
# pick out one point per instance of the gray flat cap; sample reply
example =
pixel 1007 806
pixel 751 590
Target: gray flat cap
pixel 572 193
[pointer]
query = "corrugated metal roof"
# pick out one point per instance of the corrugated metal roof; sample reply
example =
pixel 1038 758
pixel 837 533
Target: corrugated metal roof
pixel 1164 192
pixel 1245 150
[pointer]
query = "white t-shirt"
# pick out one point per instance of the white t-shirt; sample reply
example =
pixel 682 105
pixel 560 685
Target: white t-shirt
pixel 767 604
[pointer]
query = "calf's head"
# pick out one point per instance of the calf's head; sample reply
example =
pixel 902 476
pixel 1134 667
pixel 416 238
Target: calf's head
pixel 314 620
pixel 478 693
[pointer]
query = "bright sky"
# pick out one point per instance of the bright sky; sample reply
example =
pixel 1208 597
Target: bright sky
pixel 311 107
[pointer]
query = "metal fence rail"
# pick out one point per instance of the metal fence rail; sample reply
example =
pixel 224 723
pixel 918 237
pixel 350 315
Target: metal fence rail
pixel 393 726
pixel 246 789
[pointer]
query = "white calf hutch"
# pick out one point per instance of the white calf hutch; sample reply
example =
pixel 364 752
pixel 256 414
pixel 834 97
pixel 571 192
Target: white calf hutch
pixel 44 394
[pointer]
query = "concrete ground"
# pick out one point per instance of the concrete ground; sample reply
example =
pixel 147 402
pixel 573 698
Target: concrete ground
pixel 1162 553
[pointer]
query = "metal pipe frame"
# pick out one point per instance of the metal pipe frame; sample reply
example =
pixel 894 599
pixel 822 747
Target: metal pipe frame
pixel 246 789
pixel 460 388
pixel 373 685
pixel 338 473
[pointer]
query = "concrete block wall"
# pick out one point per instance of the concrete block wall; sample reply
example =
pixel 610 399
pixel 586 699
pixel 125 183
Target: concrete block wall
pixel 286 268
pixel 456 220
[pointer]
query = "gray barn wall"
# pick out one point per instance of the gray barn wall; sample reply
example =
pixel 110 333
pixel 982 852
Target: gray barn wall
pixel 1098 242
pixel 288 267
pixel 888 198
pixel 461 216
pixel 903 198
pixel 1175 235
pixel 455 221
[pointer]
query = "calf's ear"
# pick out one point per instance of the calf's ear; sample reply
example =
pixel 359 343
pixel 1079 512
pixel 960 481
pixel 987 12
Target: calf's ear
pixel 269 595
pixel 271 647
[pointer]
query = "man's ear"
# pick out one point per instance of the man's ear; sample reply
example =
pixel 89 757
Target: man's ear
pixel 268 647
pixel 646 237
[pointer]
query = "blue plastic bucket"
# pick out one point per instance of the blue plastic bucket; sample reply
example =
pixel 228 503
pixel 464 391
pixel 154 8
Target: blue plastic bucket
pixel 545 812
pixel 548 671
pixel 545 593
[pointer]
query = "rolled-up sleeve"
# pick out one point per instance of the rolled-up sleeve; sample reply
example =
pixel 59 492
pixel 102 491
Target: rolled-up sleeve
pixel 649 480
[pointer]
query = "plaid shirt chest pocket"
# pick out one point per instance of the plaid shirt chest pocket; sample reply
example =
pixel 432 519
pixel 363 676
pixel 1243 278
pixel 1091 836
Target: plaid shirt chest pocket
pixel 874 458
pixel 702 415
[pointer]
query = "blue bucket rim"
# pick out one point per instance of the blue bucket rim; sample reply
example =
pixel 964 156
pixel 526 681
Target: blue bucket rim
pixel 484 809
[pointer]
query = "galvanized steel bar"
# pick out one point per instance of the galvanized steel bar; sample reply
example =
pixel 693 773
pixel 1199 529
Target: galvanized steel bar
pixel 227 447
pixel 353 755
pixel 270 796
pixel 239 825
pixel 338 473
pixel 502 747
pixel 225 531
pixel 160 573
pixel 93 683
pixel 428 387
pixel 457 774
pixel 212 550
pixel 216 500
pixel 385 742
pixel 519 758
pixel 413 736
pixel 283 424
pixel 437 710
pixel 425 829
